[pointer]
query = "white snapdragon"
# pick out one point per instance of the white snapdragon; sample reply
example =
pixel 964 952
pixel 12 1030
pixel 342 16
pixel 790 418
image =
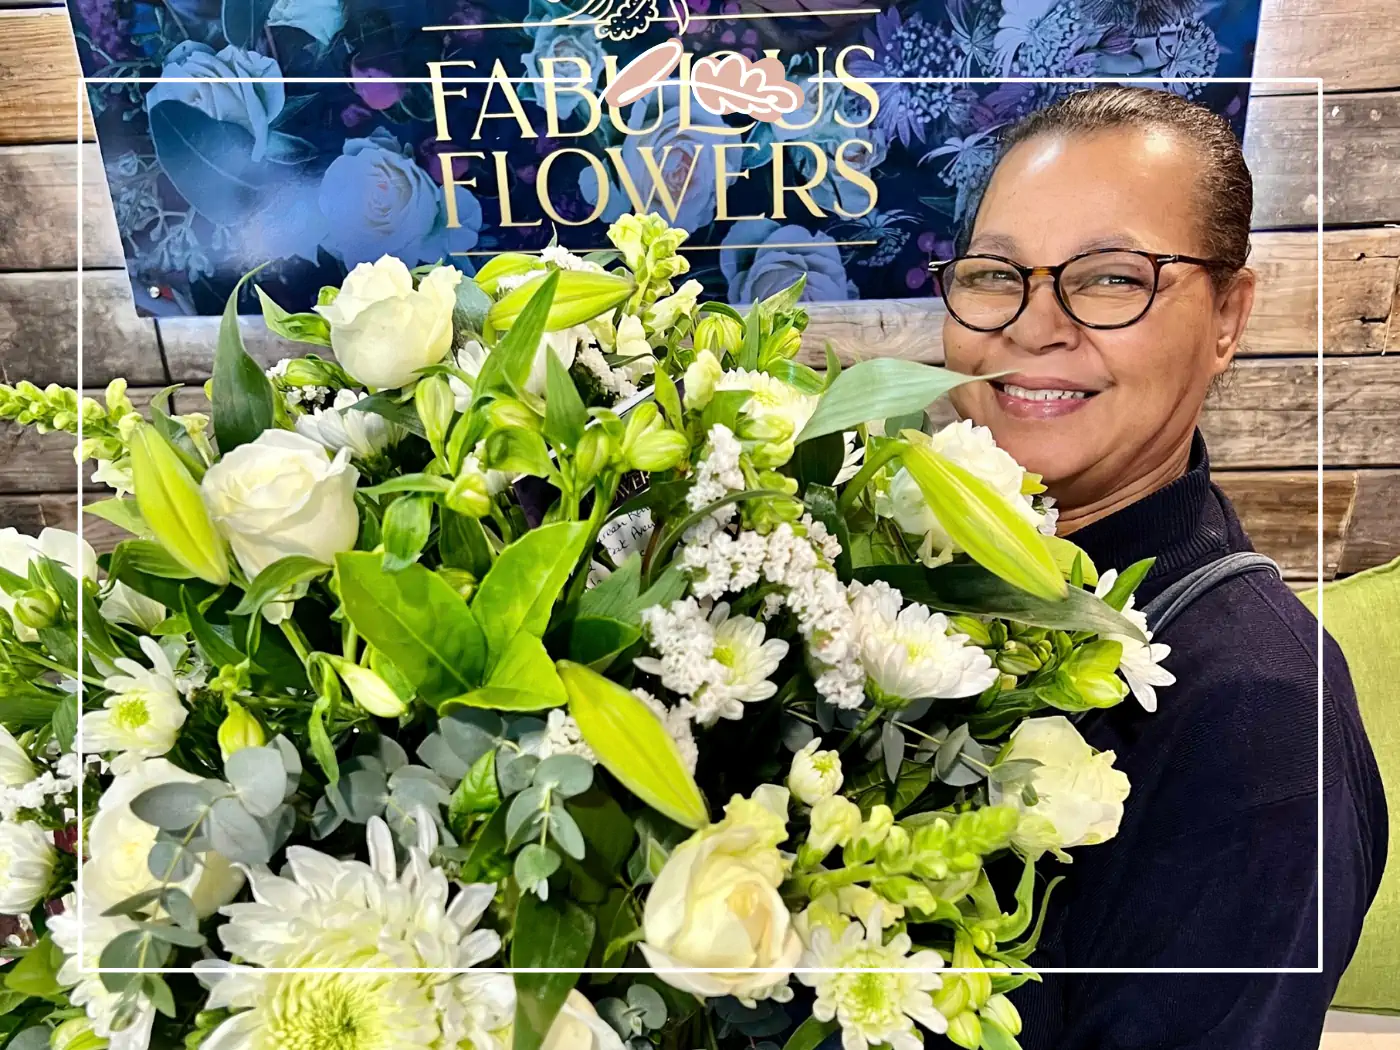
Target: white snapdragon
pixel 365 434
pixel 27 857
pixel 815 775
pixel 909 654
pixel 142 716
pixel 1141 662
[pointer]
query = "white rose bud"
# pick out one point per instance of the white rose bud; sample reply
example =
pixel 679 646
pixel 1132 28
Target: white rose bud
pixel 282 495
pixel 577 1026
pixel 28 860
pixel 815 775
pixel 15 766
pixel 383 330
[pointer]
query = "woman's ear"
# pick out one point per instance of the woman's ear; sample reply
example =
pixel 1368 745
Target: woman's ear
pixel 1232 308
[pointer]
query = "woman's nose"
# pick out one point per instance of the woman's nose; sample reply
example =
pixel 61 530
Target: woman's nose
pixel 1043 325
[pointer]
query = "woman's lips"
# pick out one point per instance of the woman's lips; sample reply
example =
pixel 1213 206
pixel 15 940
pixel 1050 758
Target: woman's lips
pixel 1026 403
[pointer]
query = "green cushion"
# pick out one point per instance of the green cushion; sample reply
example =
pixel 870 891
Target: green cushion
pixel 1360 612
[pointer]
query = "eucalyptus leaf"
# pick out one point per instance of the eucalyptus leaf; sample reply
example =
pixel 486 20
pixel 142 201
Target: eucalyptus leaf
pixel 173 806
pixel 514 771
pixel 236 834
pixel 526 811
pixel 565 775
pixel 534 864
pixel 892 747
pixel 950 749
pixel 565 831
pixel 169 861
pixel 258 775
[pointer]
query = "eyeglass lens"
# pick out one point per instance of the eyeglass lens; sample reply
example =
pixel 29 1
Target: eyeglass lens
pixel 1109 288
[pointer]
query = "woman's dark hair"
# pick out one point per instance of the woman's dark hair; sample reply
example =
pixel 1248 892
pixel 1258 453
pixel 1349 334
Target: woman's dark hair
pixel 1226 189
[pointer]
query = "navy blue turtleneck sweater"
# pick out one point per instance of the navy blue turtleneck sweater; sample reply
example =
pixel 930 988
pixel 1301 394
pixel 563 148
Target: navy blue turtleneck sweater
pixel 1216 861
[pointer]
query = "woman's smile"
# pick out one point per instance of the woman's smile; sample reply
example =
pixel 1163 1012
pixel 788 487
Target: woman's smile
pixel 1023 396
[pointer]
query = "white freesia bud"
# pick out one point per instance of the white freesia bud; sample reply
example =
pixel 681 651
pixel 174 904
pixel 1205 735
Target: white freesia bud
pixel 119 842
pixel 282 495
pixel 365 434
pixel 716 904
pixel 27 858
pixel 383 330
pixel 577 1026
pixel 15 766
pixel 815 775
pixel 700 379
pixel 1078 794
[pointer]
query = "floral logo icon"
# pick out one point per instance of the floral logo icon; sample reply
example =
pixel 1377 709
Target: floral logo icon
pixel 728 83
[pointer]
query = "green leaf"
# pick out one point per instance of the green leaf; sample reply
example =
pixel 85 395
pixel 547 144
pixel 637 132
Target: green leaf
pixel 418 621
pixel 981 521
pixel 632 744
pixel 469 313
pixel 524 679
pixel 995 1037
pixel 597 640
pixel 1070 558
pixel 242 395
pixel 300 328
pixel 149 557
pixel 37 973
pixel 615 597
pixel 475 794
pixel 407 525
pixel 462 543
pixel 547 934
pixel 781 303
pixel 818 462
pixel 395 411
pixel 410 483
pixel 564 414
pixel 276 579
pixel 1127 582
pixel 972 589
pixel 65 721
pixel 217 649
pixel 123 513
pixel 878 389
pixel 518 593
pixel 508 366
pixel 669 398
pixel 580 296
pixel 606 828
pixel 810 1034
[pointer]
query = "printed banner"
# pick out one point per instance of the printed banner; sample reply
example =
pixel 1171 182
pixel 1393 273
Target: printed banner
pixel 786 135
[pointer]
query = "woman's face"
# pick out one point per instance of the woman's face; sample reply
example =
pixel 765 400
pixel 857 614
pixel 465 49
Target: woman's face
pixel 1051 198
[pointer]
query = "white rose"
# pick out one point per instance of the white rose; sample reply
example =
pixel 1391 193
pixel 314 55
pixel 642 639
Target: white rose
pixel 1079 795
pixel 383 330
pixel 15 766
pixel 26 864
pixel 343 426
pixel 716 903
pixel 119 842
pixel 17 550
pixel 282 495
pixel 815 775
pixel 577 1026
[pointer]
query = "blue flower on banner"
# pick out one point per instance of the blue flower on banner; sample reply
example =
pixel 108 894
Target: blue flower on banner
pixel 911 48
pixel 865 147
pixel 253 107
pixel 767 257
pixel 569 45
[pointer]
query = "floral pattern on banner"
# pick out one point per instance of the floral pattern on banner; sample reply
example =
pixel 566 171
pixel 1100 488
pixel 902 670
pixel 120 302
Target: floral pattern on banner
pixel 324 176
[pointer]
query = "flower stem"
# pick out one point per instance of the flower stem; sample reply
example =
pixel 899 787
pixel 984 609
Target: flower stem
pixel 872 466
pixel 854 734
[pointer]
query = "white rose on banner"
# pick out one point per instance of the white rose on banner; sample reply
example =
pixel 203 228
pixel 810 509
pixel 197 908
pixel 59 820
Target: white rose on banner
pixel 383 330
pixel 283 495
pixel 569 48
pixel 761 258
pixel 253 106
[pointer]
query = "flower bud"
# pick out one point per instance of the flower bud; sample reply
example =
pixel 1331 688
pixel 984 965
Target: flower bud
pixel 469 495
pixel 871 835
pixel 782 345
pixel 702 375
pixel 974 628
pixel 896 851
pixel 37 609
pixel 657 450
pixel 906 892
pixel 371 692
pixel 436 403
pixel 719 334
pixel 953 998
pixel 773 453
pixel 766 427
pixel 507 412
pixel 592 456
pixel 1018 659
pixel 1092 672
pixel 1003 1011
pixel 834 821
pixel 238 730
pixel 170 502
pixel 463 582
pixel 76 1034
pixel 965 1030
pixel 814 775
pixel 310 371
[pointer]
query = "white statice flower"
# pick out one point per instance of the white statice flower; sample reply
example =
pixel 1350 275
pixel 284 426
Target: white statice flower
pixel 509 282
pixel 340 426
pixel 43 788
pixel 80 975
pixel 122 604
pixel 559 256
pixel 718 473
pixel 1141 663
pixel 814 775
pixel 16 767
pixel 615 381
pixel 116 475
pixel 873 1009
pixel 326 912
pixel 142 716
pixel 678 724
pixel 562 736
pixel 297 397
pixel 27 857
pixel 774 404
pixel 973 449
pixel 909 654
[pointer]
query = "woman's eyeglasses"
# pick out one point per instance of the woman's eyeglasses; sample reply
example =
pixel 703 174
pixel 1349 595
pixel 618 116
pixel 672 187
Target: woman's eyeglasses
pixel 1104 288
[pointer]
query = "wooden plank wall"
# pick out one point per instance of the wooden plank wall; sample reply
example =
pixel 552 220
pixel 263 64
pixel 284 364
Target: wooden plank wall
pixel 1262 425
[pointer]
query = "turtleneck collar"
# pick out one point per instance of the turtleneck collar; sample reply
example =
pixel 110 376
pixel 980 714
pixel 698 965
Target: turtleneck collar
pixel 1182 525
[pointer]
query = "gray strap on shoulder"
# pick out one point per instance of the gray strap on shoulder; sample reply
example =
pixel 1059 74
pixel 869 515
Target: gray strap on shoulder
pixel 1170 604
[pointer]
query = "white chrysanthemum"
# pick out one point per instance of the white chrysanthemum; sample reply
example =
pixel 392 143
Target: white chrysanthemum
pixel 365 434
pixel 346 913
pixel 852 456
pixel 142 716
pixel 973 449
pixel 79 973
pixel 815 775
pixel 908 653
pixel 26 864
pixel 124 605
pixel 1141 664
pixel 15 765
pixel 873 1008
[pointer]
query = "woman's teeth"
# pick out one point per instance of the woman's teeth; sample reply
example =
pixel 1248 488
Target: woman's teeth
pixel 1044 395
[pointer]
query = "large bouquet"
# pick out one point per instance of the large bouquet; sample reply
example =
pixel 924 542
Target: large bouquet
pixel 564 665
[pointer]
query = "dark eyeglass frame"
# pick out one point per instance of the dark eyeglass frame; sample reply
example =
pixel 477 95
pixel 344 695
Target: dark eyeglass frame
pixel 1157 259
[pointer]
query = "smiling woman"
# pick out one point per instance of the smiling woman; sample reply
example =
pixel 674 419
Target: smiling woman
pixel 1102 286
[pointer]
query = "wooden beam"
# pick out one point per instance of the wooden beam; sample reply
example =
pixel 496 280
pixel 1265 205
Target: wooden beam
pixel 1351 44
pixel 55 510
pixel 39 208
pixel 1373 530
pixel 39 79
pixel 38 330
pixel 189 345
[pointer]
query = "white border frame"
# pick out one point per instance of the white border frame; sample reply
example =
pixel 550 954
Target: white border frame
pixel 1315 82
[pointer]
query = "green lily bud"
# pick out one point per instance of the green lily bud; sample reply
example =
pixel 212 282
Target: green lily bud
pixel 371 692
pixel 507 412
pixel 953 998
pixel 718 334
pixel 896 851
pixel 436 404
pixel 594 453
pixel 170 502
pixel 469 495
pixel 37 609
pixel 871 835
pixel 965 1030
pixel 507 264
pixel 1017 659
pixel 1003 1011
pixel 580 296
pixel 76 1034
pixel 463 582
pixel 976 631
pixel 238 730
pixel 782 345
pixel 657 450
